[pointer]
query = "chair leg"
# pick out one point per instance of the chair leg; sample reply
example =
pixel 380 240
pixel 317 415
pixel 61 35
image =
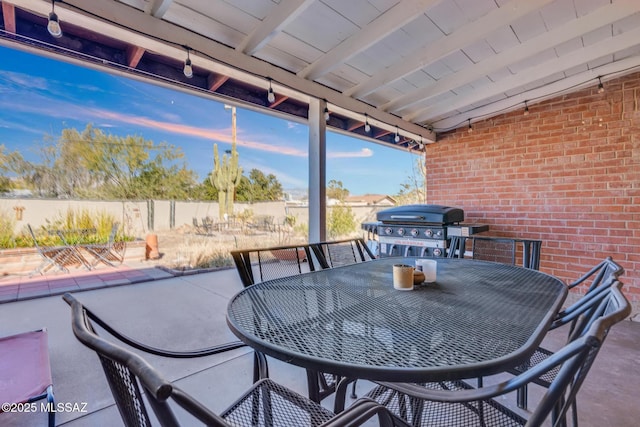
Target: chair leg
pixel 521 396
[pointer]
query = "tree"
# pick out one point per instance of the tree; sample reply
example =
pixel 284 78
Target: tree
pixel 336 191
pixel 10 163
pixel 94 164
pixel 258 187
pixel 414 189
pixel 341 220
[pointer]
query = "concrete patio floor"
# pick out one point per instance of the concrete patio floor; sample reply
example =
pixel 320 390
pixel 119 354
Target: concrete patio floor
pixel 188 312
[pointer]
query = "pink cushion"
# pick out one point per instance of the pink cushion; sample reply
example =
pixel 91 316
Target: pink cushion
pixel 24 366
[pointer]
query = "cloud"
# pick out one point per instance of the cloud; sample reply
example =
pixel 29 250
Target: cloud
pixel 365 152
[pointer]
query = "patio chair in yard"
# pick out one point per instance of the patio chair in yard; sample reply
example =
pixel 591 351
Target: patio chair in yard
pixel 110 252
pixel 455 403
pixel 54 257
pixel 342 252
pixel 25 372
pixel 265 403
pixel 574 317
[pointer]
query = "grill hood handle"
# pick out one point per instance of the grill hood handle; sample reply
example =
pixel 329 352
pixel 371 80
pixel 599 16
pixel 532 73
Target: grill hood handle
pixel 407 217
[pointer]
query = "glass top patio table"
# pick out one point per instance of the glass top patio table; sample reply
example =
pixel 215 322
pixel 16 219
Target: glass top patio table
pixel 477 319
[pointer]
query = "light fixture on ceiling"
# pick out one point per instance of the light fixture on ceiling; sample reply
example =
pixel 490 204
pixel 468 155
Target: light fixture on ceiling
pixel 397 137
pixel 367 126
pixel 600 85
pixel 53 26
pixel 188 69
pixel 470 127
pixel 271 97
pixel 526 109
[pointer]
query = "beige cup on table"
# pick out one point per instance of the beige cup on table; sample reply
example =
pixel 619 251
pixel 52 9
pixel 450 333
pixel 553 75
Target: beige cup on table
pixel 429 267
pixel 403 277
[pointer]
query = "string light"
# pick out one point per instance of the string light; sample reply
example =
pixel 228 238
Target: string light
pixel 53 26
pixel 271 97
pixel 397 137
pixel 188 70
pixel 526 109
pixel 367 126
pixel 600 85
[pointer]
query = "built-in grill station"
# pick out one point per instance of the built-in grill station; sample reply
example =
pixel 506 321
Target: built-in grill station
pixel 418 230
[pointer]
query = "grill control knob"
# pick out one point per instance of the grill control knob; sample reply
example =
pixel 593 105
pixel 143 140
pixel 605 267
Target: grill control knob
pixel 428 232
pixel 437 252
pixel 414 232
pixel 401 231
pixel 439 233
pixel 388 230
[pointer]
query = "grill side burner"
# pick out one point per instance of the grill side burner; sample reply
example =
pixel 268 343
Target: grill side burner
pixel 417 230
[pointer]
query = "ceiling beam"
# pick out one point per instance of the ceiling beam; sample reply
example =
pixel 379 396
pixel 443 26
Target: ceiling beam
pixel 385 24
pixel 9 14
pixel 279 100
pixel 214 81
pixel 539 72
pixel 574 83
pixel 600 17
pixel 276 20
pixel 457 40
pixel 134 54
pixel 157 8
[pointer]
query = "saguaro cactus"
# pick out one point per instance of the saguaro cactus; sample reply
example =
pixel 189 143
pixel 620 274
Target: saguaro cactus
pixel 225 177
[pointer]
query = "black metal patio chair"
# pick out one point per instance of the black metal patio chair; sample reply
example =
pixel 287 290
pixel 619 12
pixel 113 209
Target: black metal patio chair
pixel 455 403
pixel 337 253
pixel 258 265
pixel 504 250
pixel 266 403
pixel 574 317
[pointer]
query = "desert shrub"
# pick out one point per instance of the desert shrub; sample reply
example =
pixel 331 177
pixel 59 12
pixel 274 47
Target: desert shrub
pixel 7 224
pixel 341 221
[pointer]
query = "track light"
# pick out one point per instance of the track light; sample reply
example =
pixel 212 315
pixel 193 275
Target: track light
pixel 600 85
pixel 53 26
pixel 397 137
pixel 367 126
pixel 188 70
pixel 470 127
pixel 271 97
pixel 526 109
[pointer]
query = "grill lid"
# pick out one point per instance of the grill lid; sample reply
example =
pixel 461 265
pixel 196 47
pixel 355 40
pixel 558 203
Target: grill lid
pixel 421 214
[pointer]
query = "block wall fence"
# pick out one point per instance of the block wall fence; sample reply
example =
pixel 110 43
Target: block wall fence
pixel 567 173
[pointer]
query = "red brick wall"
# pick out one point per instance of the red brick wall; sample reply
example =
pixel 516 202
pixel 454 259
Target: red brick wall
pixel 567 173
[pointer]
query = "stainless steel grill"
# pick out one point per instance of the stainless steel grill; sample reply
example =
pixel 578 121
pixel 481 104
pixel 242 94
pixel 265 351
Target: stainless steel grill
pixel 418 230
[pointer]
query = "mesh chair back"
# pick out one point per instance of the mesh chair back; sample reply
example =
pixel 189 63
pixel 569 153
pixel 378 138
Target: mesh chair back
pixel 507 250
pixel 125 372
pixel 258 265
pixel 561 395
pixel 342 252
pixel 605 269
pixel 495 249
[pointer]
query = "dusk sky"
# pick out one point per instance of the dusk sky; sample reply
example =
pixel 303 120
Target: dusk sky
pixel 40 97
